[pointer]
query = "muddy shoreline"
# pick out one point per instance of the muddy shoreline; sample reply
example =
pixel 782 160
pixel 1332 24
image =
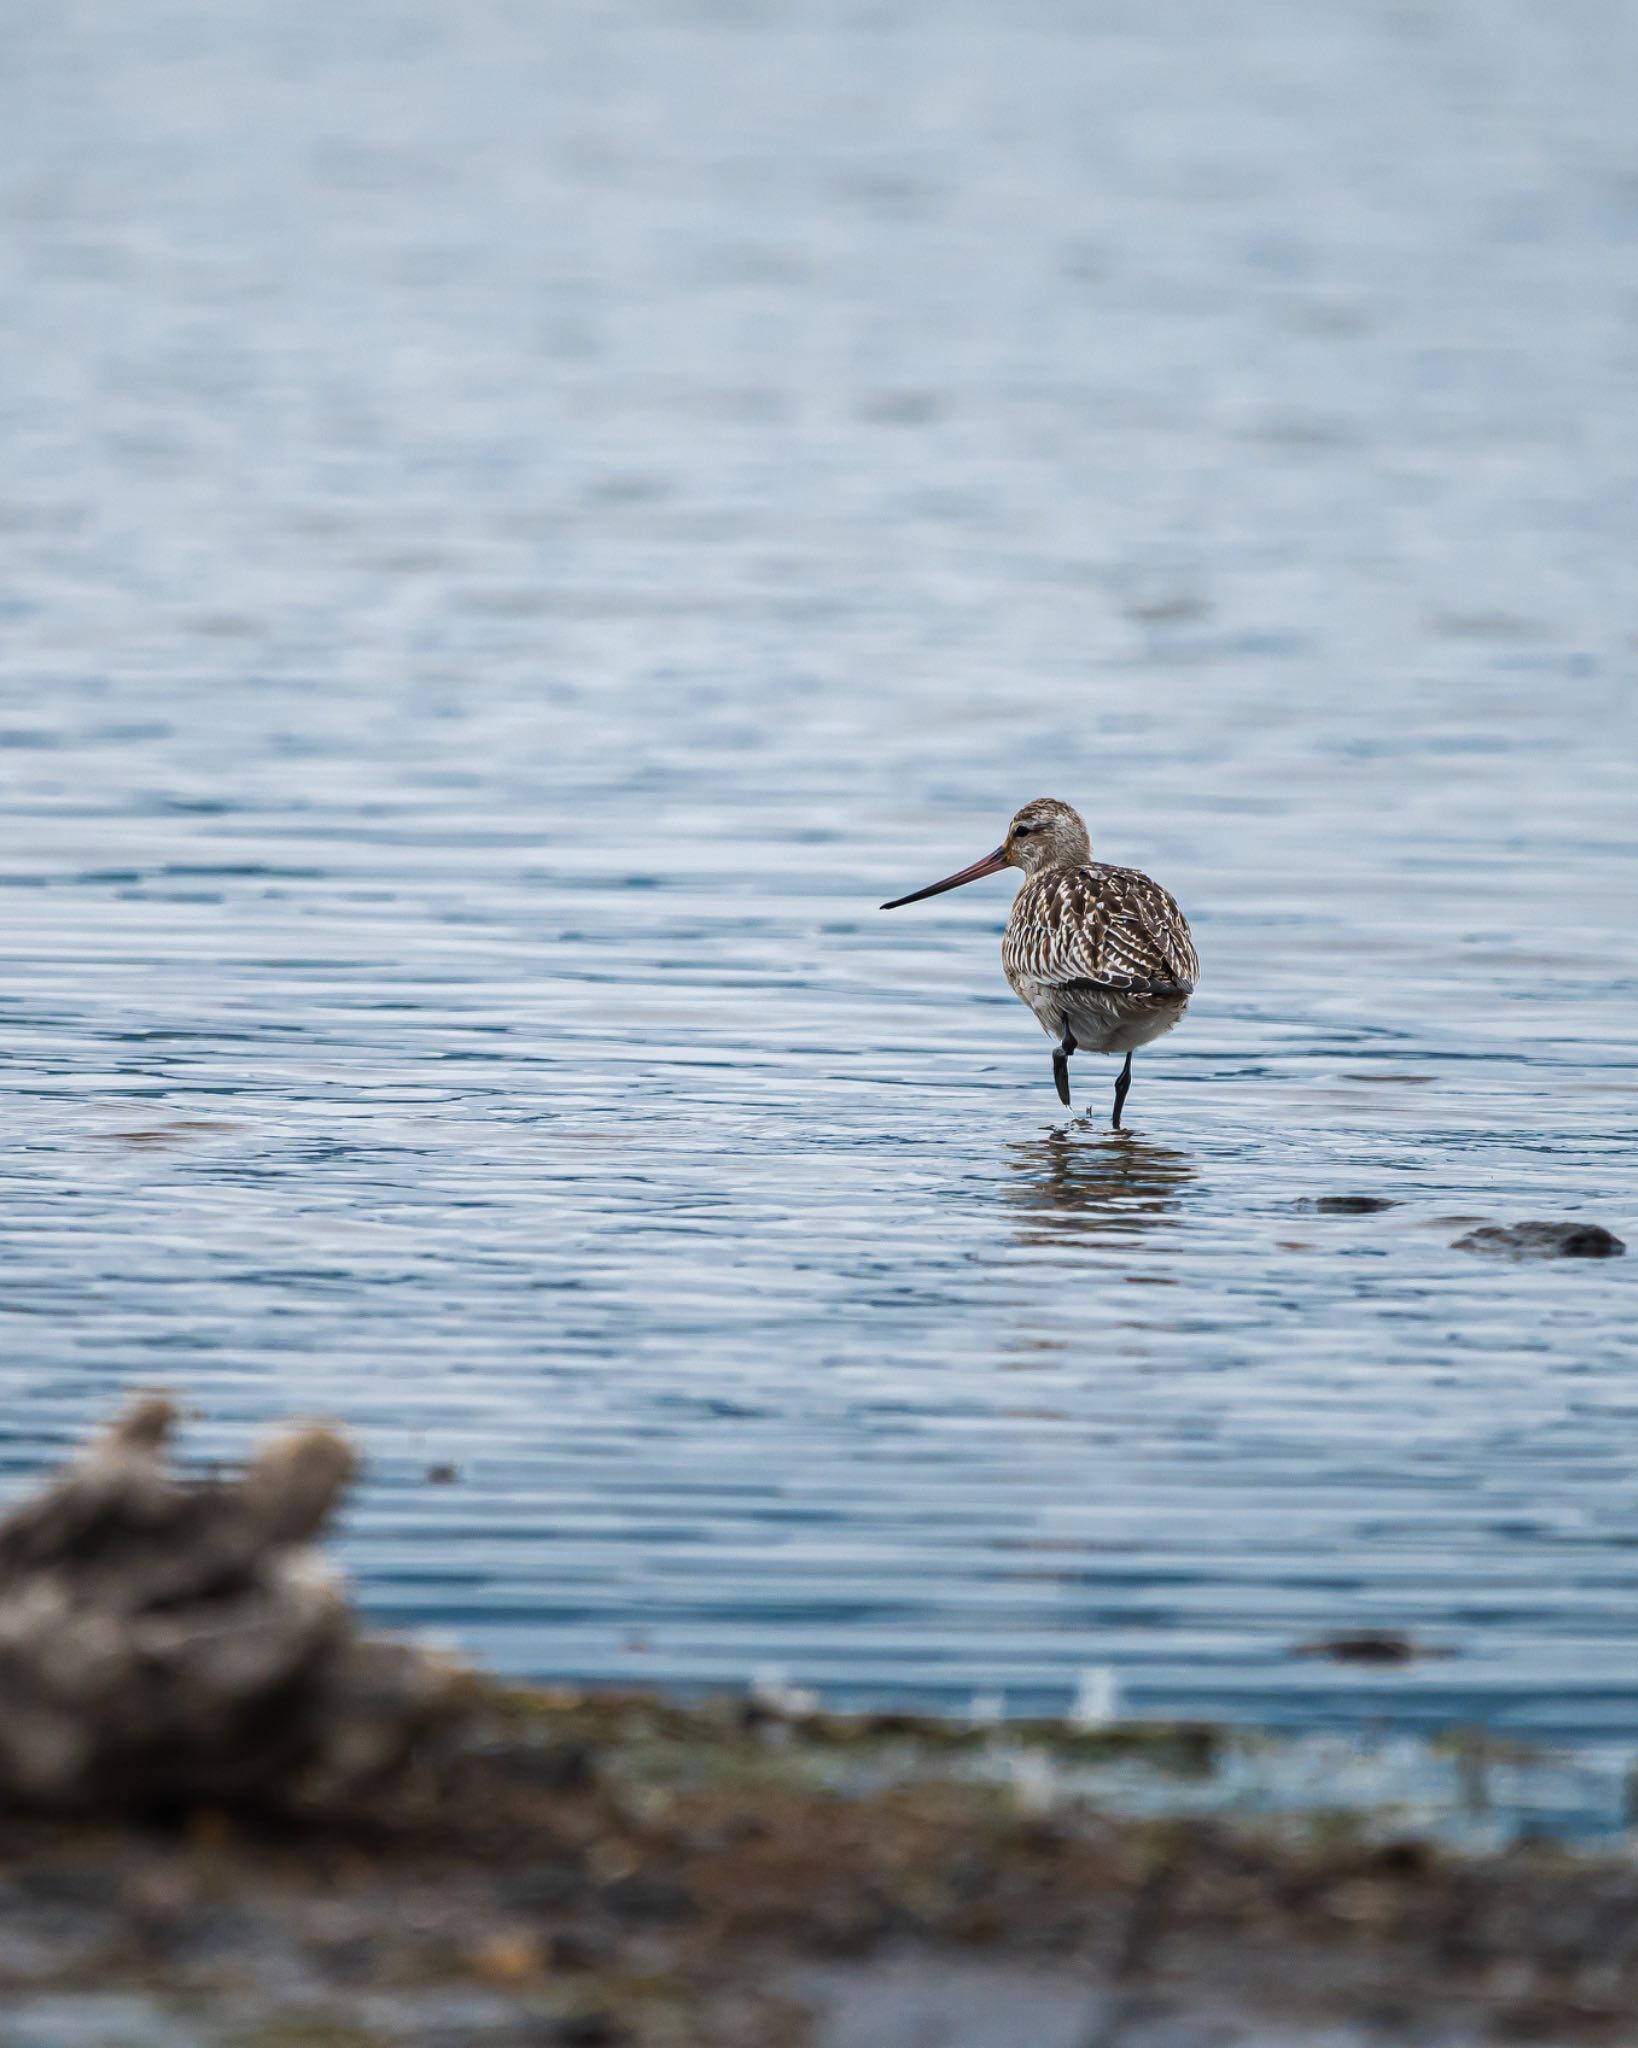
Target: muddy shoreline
pixel 232 1817
pixel 618 1869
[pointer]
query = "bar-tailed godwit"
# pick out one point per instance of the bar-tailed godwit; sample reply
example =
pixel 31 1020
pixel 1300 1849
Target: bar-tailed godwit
pixel 1102 955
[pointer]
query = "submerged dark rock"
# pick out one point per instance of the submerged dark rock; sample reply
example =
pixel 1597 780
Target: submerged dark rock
pixel 1367 1646
pixel 1543 1241
pixel 1346 1205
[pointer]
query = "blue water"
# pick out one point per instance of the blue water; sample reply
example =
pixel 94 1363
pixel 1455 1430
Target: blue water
pixel 519 527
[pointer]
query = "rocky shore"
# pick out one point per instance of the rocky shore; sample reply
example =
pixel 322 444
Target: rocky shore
pixel 357 1846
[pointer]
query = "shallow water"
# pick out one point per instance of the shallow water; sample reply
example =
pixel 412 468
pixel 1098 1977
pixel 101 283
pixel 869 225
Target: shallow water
pixel 522 527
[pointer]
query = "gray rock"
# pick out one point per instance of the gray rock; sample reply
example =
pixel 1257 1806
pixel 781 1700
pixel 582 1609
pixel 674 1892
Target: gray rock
pixel 166 1640
pixel 1543 1241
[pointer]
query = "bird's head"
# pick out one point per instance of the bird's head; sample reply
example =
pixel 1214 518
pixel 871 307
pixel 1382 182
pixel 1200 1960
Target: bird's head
pixel 1044 834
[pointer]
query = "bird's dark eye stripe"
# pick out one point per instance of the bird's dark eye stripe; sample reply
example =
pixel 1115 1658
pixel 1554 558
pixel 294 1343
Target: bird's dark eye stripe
pixel 1023 828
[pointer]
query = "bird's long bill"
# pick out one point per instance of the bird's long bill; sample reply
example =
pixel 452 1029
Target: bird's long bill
pixel 991 864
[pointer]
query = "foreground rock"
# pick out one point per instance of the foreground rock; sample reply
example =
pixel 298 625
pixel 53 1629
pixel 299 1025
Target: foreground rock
pixel 169 1640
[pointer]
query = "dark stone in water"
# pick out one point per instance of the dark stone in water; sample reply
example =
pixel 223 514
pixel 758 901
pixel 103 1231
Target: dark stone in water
pixel 1543 1241
pixel 1347 1205
pixel 1367 1646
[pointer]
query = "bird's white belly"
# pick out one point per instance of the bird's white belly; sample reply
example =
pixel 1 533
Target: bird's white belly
pixel 1103 1023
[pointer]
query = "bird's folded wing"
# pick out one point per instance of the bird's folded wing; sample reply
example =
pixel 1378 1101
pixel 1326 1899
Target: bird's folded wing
pixel 1112 929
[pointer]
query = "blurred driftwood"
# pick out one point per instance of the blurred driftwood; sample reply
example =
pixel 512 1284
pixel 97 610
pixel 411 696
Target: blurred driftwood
pixel 165 1640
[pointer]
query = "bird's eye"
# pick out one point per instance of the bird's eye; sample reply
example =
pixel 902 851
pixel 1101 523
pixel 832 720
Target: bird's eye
pixel 1020 830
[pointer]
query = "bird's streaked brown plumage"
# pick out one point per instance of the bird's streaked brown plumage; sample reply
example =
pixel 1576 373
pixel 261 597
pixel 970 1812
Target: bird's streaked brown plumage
pixel 1101 954
pixel 1107 925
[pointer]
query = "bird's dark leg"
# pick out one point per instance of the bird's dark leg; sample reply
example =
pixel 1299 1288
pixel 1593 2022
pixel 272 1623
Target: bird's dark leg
pixel 1121 1087
pixel 1060 1064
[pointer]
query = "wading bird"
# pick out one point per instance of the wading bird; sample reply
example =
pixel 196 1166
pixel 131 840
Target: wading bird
pixel 1102 955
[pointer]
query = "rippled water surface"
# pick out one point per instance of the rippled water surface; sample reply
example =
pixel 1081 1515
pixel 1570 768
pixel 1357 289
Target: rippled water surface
pixel 519 526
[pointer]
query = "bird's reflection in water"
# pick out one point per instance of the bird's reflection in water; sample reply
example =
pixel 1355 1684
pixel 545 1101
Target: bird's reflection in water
pixel 1082 1181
